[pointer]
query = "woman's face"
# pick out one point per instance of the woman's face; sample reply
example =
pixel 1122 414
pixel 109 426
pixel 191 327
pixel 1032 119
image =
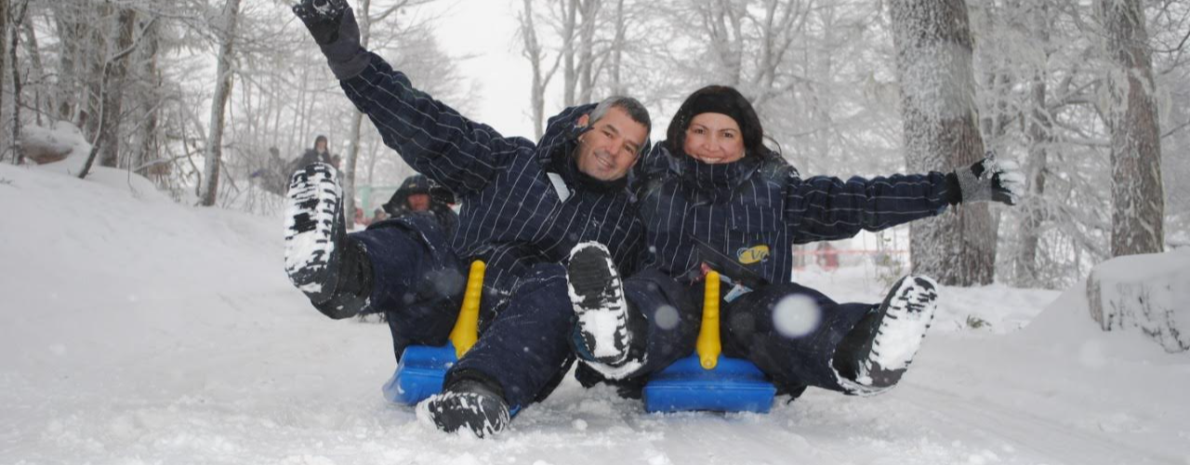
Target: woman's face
pixel 714 138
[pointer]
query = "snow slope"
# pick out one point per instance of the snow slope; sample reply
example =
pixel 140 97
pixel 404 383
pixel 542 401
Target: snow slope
pixel 134 330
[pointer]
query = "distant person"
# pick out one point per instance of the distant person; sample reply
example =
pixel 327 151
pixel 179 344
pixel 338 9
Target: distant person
pixel 273 175
pixel 378 215
pixel 319 154
pixel 359 217
pixel 419 194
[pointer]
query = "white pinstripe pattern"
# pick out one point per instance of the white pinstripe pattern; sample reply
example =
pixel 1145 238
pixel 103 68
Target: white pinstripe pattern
pixel 511 216
pixel 776 207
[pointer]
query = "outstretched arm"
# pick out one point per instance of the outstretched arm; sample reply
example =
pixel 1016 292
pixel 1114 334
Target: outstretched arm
pixel 432 137
pixel 826 208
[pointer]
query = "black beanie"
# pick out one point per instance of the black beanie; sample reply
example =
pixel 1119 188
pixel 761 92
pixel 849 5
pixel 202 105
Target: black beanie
pixel 717 99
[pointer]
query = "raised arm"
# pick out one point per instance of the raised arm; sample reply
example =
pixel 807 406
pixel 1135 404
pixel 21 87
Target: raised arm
pixel 432 137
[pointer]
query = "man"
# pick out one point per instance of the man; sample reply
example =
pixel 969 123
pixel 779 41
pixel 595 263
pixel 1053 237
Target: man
pixel 524 206
pixel 420 195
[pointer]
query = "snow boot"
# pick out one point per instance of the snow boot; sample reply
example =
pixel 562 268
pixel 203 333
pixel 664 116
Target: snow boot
pixel 597 293
pixel 468 404
pixel 876 353
pixel 331 269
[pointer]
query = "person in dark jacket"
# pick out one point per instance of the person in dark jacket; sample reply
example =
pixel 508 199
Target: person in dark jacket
pixel 273 174
pixel 720 199
pixel 524 206
pixel 421 195
pixel 320 153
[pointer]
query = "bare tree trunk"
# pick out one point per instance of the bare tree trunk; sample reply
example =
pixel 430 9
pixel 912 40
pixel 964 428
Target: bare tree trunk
pixel 70 36
pixel 933 42
pixel 723 19
pixel 18 18
pixel 147 150
pixel 110 137
pixel 92 54
pixel 356 121
pixel 34 53
pixel 821 103
pixel 617 86
pixel 1039 138
pixel 569 31
pixel 214 149
pixel 1138 198
pixel 534 53
pixel 5 11
pixel 587 77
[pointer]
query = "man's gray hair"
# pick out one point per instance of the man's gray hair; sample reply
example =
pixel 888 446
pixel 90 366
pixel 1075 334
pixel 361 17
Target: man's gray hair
pixel 633 107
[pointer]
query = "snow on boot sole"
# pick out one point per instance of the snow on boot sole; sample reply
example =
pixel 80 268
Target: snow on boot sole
pixel 313 229
pixel 597 294
pixel 906 315
pixel 468 411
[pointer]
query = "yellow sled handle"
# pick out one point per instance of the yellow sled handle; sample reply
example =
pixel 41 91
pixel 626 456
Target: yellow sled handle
pixel 709 347
pixel 466 330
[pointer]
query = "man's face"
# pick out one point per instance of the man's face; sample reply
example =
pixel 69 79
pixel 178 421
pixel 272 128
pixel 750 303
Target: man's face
pixel 418 202
pixel 320 146
pixel 612 146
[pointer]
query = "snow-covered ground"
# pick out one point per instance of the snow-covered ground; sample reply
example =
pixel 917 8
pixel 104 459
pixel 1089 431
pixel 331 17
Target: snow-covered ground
pixel 134 330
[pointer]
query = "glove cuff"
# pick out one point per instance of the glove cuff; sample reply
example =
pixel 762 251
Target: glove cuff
pixel 972 188
pixel 954 191
pixel 347 65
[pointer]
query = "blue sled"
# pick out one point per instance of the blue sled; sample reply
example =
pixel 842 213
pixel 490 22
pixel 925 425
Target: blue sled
pixel 734 385
pixel 420 373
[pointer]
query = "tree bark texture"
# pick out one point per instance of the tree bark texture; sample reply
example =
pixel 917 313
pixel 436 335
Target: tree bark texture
pixel 109 138
pixel 214 149
pixel 1138 198
pixel 4 13
pixel 148 138
pixel 356 122
pixel 1039 137
pixel 934 52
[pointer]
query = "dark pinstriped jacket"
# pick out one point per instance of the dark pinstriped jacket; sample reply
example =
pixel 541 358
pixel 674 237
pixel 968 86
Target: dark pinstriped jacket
pixel 755 210
pixel 513 216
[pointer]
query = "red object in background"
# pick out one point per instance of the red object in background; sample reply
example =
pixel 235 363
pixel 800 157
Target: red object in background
pixel 828 257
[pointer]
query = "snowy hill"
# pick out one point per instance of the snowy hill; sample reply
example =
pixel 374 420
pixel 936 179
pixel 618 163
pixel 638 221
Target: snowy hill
pixel 134 330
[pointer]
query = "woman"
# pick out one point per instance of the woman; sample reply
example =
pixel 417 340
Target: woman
pixel 718 198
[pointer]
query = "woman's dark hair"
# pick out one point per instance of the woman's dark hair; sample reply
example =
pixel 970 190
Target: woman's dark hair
pixel 718 99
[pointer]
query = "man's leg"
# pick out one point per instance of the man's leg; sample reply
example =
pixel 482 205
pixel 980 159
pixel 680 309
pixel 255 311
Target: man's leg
pixel 520 358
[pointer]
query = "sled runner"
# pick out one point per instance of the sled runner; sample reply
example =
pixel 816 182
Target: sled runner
pixel 707 380
pixel 422 369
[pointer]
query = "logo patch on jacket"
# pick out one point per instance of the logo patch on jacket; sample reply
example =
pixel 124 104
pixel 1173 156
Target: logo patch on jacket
pixel 754 254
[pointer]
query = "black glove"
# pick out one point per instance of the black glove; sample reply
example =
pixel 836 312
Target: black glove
pixel 991 180
pixel 332 24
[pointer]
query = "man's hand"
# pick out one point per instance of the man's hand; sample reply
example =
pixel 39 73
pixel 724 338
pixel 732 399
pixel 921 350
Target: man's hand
pixel 991 180
pixel 332 23
pixel 322 17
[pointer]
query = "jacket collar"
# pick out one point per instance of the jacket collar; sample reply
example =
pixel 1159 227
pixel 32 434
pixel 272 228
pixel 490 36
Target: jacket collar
pixel 713 183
